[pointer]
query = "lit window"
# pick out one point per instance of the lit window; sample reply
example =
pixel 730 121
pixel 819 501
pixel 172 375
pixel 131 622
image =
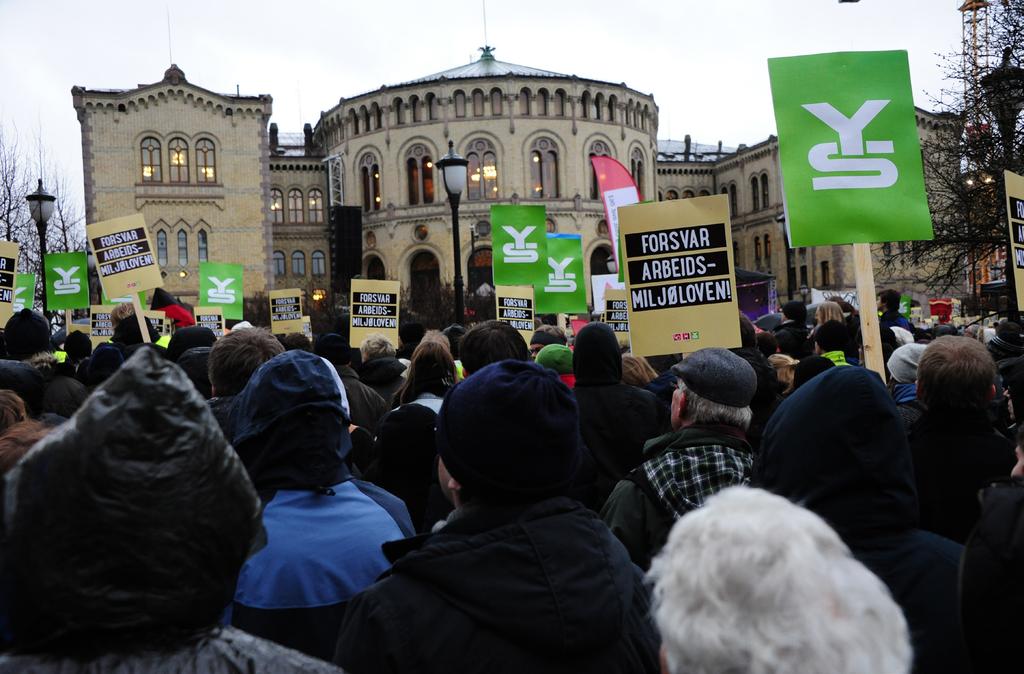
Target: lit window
pixel 295 205
pixel 544 169
pixel 177 160
pixel 206 162
pixel 316 206
pixel 277 205
pixel 151 160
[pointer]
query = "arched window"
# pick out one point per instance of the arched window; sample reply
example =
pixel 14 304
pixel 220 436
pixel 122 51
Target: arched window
pixel 375 269
pixel 432 109
pixel 316 206
pixel 295 210
pixel 204 246
pixel 478 103
pixel 483 171
pixel 150 152
pixel 643 120
pixel 277 205
pixel 598 106
pixel 206 161
pixel 733 210
pixel 354 118
pixel 542 102
pixel 399 107
pixel 599 260
pixel 177 161
pixel 414 109
pixel 278 263
pixel 480 268
pixel 560 103
pixel 636 163
pixel 768 247
pixel 671 195
pixel 182 248
pixel 757 249
pixel 687 194
pixel 602 228
pixel 419 175
pixel 585 105
pixel 460 103
pixel 369 171
pixel 613 108
pixel 705 193
pixel 424 276
pixel 764 190
pixel 544 169
pixel 524 102
pixel 364 115
pixel 376 116
pixel 630 120
pixel 298 263
pixel 495 102
pixel 551 226
pixel 755 192
pixel 597 149
pixel 161 248
pixel 318 261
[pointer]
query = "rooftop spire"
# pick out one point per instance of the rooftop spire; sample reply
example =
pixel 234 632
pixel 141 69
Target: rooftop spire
pixel 486 53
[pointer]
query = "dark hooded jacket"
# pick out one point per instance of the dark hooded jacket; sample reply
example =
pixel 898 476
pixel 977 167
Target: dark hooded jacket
pixel 616 419
pixel 383 375
pixel 325 529
pixel 837 447
pixel 767 396
pixel 123 534
pixel 26 381
pixel 543 588
pixel 991 582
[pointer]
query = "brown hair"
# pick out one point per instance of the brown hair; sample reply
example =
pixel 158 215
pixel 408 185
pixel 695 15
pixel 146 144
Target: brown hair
pixel 236 355
pixel 431 370
pixel 439 338
pixel 956 373
pixel 17 440
pixel 785 370
pixel 828 311
pixel 121 312
pixel 636 371
pixel 12 409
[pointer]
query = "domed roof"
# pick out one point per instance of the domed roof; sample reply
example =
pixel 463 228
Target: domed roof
pixel 486 66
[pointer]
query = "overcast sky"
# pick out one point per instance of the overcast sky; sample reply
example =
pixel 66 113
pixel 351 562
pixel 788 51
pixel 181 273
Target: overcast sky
pixel 704 61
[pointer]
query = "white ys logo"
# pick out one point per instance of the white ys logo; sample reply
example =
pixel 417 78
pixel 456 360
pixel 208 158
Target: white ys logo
pixel 851 150
pixel 221 294
pixel 519 251
pixel 66 284
pixel 559 280
pixel 18 302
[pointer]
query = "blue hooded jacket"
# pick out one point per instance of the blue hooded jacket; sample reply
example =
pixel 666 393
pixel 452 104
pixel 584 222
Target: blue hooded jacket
pixel 324 528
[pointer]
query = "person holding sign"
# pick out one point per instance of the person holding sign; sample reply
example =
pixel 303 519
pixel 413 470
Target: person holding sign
pixel 706 452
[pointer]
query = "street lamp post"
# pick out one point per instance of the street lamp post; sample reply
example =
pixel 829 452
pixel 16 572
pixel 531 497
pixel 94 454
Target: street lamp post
pixel 454 171
pixel 1004 91
pixel 40 205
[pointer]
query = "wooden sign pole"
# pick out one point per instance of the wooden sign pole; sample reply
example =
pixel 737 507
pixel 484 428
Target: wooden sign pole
pixel 872 338
pixel 67 321
pixel 143 328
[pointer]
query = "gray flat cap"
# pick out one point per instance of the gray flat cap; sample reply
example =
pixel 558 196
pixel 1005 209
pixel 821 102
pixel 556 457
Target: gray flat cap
pixel 718 375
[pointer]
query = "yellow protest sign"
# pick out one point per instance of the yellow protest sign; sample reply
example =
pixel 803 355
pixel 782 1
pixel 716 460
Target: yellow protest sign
pixel 515 307
pixel 125 261
pixel 373 307
pixel 8 279
pixel 212 318
pixel 680 276
pixel 1015 219
pixel 285 311
pixel 101 328
pixel 616 314
pixel 307 327
pixel 160 321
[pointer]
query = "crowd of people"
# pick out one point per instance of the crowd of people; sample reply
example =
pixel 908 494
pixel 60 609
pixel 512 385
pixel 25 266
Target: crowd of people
pixel 467 501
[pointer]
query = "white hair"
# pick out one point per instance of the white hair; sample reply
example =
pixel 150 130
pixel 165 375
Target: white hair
pixel 753 584
pixel 700 410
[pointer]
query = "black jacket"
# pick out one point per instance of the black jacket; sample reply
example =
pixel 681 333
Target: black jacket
pixel 616 419
pixel 991 582
pixel 837 447
pixel 542 589
pixel 794 339
pixel 365 405
pixel 956 454
pixel 383 375
pixel 767 396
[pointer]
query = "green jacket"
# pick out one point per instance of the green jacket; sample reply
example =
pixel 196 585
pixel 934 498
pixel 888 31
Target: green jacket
pixel 680 470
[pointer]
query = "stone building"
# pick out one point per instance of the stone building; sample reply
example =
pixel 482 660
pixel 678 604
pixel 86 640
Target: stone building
pixel 216 180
